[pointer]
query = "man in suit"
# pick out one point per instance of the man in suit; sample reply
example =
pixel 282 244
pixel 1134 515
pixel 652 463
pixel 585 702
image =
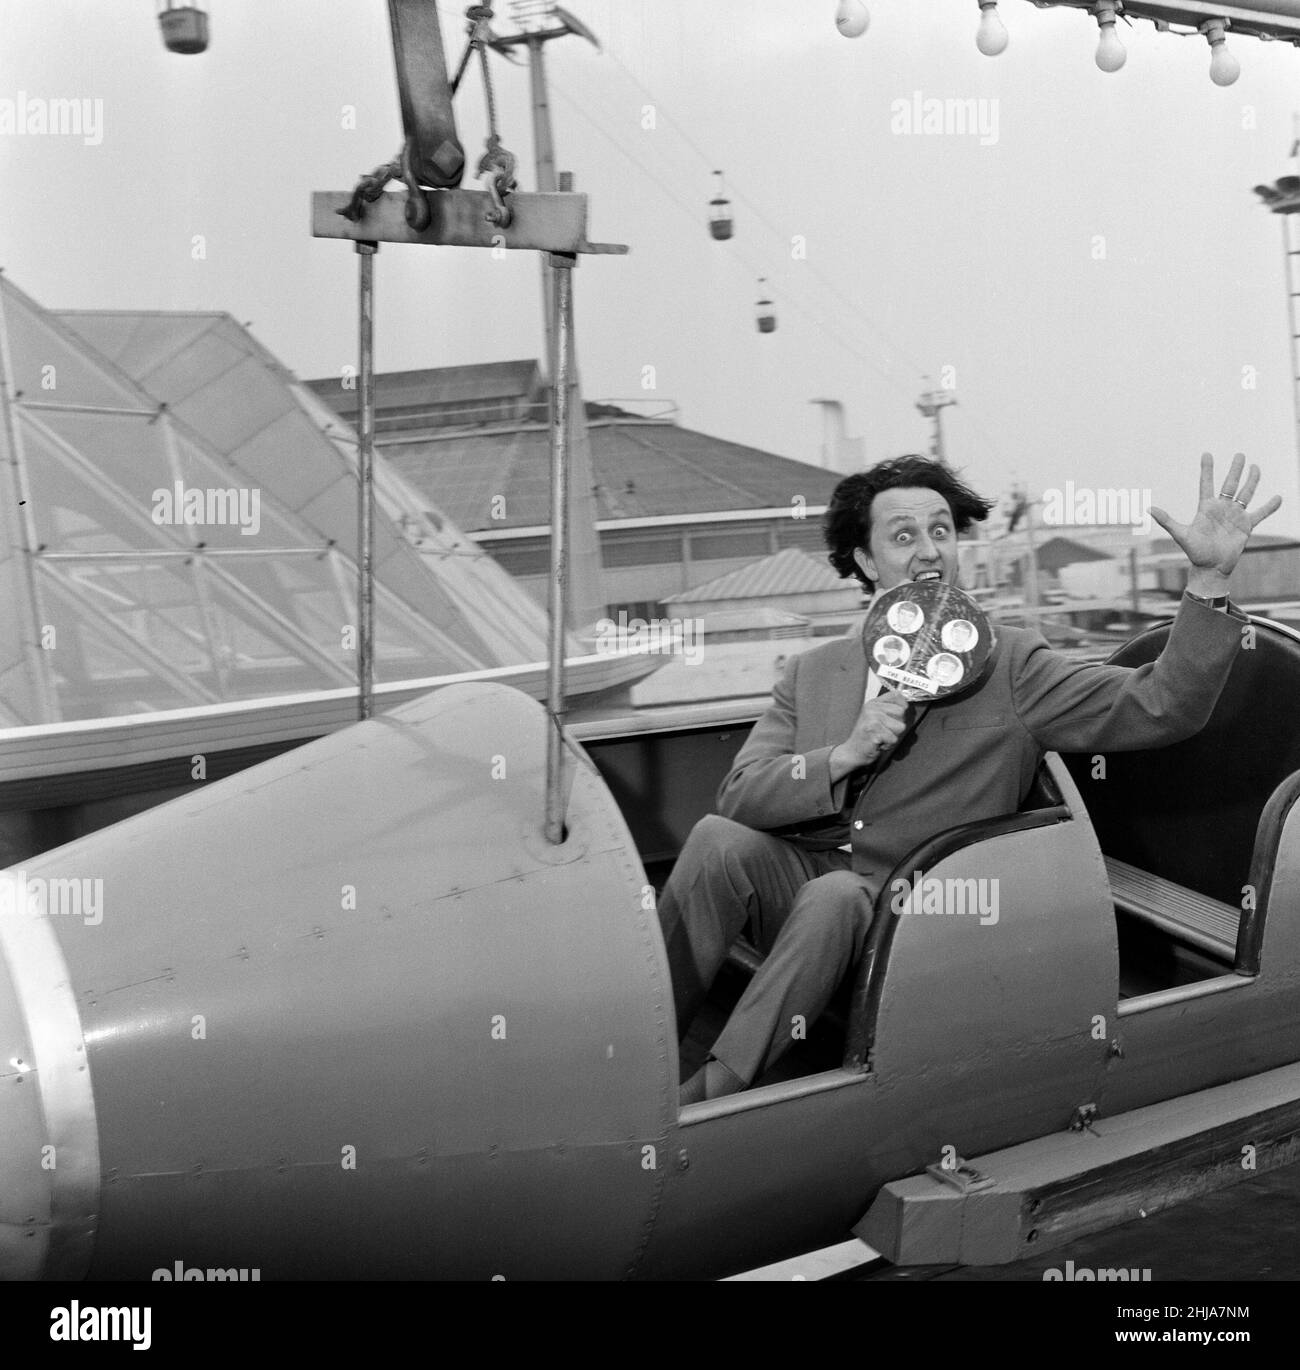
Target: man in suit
pixel 840 779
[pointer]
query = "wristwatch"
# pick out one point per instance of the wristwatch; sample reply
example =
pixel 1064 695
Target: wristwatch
pixel 1210 602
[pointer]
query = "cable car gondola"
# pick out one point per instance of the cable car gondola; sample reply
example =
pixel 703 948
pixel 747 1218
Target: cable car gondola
pixel 720 224
pixel 184 28
pixel 766 319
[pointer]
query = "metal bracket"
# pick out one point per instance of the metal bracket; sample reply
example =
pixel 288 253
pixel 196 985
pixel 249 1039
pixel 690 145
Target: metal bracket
pixel 1084 1116
pixel 964 1178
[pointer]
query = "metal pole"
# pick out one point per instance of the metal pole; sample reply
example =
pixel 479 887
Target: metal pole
pixel 1291 259
pixel 366 501
pixel 586 597
pixel 562 275
pixel 1031 563
pixel 1292 256
pixel 544 159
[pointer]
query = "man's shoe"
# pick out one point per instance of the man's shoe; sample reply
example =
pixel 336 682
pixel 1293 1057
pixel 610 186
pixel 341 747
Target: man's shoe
pixel 712 1081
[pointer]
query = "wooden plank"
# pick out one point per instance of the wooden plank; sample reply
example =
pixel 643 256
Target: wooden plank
pixel 1053 1190
pixel 1180 1169
pixel 547 222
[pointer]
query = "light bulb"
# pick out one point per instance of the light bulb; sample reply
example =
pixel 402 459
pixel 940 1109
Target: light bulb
pixel 1224 67
pixel 1111 53
pixel 852 18
pixel 992 36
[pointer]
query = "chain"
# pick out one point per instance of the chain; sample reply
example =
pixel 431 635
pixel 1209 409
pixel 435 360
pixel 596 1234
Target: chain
pixel 497 162
pixel 480 16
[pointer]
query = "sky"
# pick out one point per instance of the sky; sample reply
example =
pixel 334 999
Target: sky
pixel 1090 269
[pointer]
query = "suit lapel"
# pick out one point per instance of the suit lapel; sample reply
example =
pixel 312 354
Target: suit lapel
pixel 846 698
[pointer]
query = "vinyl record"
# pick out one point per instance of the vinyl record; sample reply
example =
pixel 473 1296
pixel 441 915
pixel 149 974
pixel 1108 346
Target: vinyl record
pixel 927 640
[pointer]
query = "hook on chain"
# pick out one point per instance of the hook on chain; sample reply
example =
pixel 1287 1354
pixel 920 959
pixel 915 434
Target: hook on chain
pixel 418 213
pixel 496 168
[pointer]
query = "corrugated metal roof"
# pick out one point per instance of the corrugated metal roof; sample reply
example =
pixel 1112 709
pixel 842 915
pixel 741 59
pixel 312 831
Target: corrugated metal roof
pixel 642 470
pixel 436 386
pixel 790 572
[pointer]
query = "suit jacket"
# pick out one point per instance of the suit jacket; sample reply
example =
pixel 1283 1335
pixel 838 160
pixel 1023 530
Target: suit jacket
pixel 972 756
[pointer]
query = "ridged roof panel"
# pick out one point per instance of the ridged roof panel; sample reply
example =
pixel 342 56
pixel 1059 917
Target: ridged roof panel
pixel 789 572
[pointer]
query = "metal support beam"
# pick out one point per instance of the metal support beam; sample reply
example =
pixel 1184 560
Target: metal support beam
pixel 18 524
pixel 562 276
pixel 543 223
pixel 366 477
pixel 184 553
pixel 109 409
pixel 1278 19
pixel 214 635
pixel 544 158
pixel 1291 259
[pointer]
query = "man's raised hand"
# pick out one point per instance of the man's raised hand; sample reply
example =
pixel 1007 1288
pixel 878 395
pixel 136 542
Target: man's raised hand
pixel 1217 535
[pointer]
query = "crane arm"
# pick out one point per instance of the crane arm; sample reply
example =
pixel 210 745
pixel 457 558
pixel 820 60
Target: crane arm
pixel 433 152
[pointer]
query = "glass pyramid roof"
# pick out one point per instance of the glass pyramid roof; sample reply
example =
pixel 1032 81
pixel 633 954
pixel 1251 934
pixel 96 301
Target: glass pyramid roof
pixel 179 529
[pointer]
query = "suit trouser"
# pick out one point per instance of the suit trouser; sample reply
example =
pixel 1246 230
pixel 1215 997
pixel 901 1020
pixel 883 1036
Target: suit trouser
pixel 807 910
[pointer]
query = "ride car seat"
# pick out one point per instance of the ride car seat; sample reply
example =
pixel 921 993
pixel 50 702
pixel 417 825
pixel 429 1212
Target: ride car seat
pixel 1191 813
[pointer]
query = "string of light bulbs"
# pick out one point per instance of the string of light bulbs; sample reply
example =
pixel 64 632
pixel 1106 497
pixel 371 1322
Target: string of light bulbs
pixel 1265 19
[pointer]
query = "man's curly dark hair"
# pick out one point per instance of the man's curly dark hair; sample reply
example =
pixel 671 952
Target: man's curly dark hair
pixel 847 521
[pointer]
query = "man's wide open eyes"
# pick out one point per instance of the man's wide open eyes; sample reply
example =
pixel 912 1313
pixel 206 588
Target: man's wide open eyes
pixel 940 531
